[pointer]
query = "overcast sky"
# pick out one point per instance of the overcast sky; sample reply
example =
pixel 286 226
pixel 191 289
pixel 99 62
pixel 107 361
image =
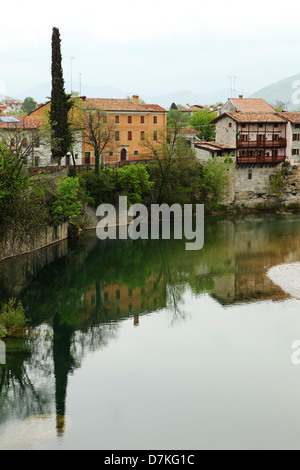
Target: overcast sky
pixel 151 48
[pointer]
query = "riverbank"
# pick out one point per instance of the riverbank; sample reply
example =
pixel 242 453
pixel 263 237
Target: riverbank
pixel 287 277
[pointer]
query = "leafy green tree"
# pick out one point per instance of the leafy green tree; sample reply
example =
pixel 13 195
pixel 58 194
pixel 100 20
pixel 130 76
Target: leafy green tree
pixel 176 117
pixel 69 201
pixel 213 182
pixel 200 120
pixel 61 104
pixel 134 183
pixel 13 182
pixel 29 105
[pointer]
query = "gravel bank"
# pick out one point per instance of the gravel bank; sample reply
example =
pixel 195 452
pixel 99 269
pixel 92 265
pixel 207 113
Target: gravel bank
pixel 287 276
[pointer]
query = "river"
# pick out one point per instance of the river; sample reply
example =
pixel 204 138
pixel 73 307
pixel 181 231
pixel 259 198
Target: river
pixel 144 345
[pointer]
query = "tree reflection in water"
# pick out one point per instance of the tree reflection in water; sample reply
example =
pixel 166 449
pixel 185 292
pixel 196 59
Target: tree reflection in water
pixel 77 294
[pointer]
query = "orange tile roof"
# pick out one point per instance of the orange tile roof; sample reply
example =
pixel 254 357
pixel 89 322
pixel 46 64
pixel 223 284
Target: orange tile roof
pixel 112 104
pixel 23 122
pixel 214 146
pixel 252 117
pixel 292 117
pixel 253 105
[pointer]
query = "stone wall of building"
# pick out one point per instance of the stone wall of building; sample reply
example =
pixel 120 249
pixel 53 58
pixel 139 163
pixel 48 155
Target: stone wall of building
pixel 226 131
pixel 250 186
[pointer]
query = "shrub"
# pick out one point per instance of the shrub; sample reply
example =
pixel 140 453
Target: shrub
pixel 69 201
pixel 213 182
pixel 72 172
pixel 12 318
pixel 134 182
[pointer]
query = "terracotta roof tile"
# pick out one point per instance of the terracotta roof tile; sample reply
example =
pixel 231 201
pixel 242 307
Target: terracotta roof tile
pixel 110 104
pixel 251 117
pixel 253 105
pixel 294 118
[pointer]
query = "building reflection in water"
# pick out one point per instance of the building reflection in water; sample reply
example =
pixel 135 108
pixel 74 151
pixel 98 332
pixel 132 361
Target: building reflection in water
pixel 81 293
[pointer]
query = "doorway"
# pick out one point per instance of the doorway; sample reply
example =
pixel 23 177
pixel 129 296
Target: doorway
pixel 123 156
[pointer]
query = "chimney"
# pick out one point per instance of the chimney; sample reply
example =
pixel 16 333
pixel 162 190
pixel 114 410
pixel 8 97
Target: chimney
pixel 241 97
pixel 83 98
pixel 135 100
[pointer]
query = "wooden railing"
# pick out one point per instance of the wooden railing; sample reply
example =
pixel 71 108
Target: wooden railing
pixel 261 143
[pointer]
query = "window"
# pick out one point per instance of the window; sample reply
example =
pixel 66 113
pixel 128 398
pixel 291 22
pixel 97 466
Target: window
pixel 297 126
pixel 249 174
pixel 136 153
pixel 76 156
pixel 275 153
pixel 296 137
pixel 118 294
pixel 230 124
pixel 276 125
pixel 142 119
pixel 129 119
pixel 129 135
pixel 130 293
pixel 117 136
pixel 155 119
pixel 260 125
pixel 117 119
pixel 24 143
pixel 142 135
pixel 154 135
pixel 111 153
pixel 295 152
pixel 259 153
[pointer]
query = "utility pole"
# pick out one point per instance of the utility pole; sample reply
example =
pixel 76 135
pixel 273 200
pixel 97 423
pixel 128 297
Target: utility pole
pixel 71 61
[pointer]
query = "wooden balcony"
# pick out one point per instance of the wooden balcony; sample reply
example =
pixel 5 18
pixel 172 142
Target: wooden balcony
pixel 261 143
pixel 263 159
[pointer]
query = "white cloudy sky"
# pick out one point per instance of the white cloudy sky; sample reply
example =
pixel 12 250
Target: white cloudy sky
pixel 154 47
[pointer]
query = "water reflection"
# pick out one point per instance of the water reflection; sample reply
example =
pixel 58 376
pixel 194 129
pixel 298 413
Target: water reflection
pixel 77 294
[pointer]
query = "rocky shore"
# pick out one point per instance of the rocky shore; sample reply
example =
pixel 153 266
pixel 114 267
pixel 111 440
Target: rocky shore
pixel 287 277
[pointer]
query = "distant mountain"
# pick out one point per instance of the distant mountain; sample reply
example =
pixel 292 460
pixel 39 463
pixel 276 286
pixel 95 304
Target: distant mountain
pixel 41 93
pixel 284 91
pixel 185 97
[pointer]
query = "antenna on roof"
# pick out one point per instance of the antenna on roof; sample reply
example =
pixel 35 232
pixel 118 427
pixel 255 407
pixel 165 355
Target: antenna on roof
pixel 232 84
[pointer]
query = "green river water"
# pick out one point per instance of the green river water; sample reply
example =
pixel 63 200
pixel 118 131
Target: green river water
pixel 144 345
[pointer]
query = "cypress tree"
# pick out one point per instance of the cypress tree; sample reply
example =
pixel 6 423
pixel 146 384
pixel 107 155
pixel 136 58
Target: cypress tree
pixel 60 104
